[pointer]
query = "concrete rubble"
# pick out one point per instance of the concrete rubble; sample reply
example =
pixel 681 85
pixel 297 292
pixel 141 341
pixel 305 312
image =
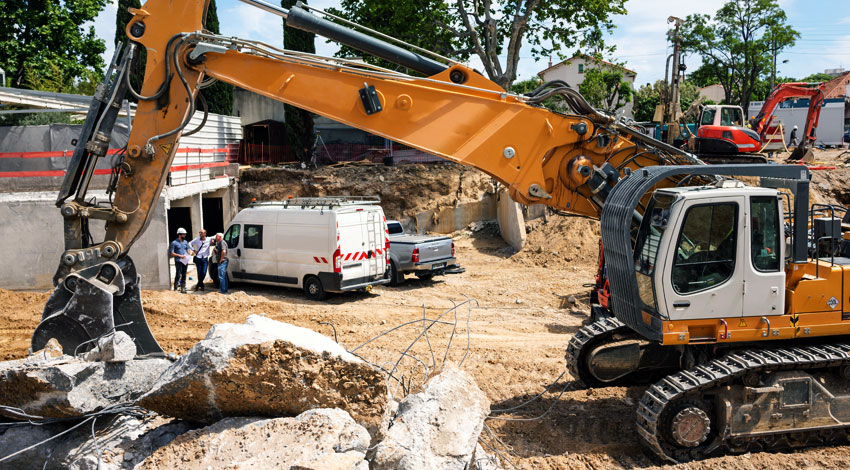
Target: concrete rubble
pixel 118 347
pixel 268 368
pixel 122 443
pixel 273 395
pixel 437 428
pixel 321 439
pixel 66 386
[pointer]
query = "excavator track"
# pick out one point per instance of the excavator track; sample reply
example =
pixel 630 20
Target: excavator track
pixel 585 338
pixel 679 400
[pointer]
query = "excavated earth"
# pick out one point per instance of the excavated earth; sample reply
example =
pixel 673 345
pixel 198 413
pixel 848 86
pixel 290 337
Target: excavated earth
pixel 528 306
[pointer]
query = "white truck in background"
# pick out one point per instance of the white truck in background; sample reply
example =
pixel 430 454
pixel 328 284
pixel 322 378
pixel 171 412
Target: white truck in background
pixel 422 255
pixel 321 245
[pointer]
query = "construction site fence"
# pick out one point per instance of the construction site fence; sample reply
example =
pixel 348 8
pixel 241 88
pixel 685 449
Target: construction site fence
pixel 262 154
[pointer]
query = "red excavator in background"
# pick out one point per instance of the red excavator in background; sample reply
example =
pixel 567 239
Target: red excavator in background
pixel 722 137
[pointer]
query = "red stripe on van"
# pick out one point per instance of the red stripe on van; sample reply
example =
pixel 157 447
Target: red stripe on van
pixel 316 259
pixel 324 260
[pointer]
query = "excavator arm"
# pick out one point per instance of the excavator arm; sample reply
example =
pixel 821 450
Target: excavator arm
pixel 787 91
pixel 568 161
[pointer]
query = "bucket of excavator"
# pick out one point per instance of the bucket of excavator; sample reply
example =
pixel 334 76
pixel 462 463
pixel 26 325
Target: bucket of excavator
pixel 95 302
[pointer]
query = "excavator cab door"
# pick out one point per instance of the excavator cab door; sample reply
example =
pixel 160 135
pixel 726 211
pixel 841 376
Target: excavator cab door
pixel 703 266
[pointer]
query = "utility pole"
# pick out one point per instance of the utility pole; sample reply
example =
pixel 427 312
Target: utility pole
pixel 673 103
pixel 773 75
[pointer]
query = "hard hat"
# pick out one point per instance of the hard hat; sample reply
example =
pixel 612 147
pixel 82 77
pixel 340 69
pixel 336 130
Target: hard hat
pixel 795 128
pixel 181 230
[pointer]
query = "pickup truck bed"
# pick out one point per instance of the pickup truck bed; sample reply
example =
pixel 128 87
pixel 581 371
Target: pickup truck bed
pixel 422 255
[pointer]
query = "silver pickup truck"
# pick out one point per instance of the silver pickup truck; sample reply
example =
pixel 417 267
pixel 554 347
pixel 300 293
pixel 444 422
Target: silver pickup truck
pixel 422 255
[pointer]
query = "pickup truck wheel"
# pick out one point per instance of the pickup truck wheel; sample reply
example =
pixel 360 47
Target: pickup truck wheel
pixel 396 277
pixel 313 288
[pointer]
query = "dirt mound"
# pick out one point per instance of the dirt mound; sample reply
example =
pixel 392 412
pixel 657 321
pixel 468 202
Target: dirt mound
pixel 560 241
pixel 404 190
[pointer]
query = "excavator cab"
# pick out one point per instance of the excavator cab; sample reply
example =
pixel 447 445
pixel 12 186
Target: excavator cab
pixel 712 252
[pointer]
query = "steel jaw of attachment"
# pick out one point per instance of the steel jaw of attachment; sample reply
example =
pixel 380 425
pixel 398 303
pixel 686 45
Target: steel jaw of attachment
pixel 94 302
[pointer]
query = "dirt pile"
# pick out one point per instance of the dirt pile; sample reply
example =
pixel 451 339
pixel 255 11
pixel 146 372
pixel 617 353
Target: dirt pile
pixel 405 190
pixel 560 241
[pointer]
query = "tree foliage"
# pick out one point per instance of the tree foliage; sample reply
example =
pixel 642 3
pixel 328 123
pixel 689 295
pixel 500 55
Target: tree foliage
pixel 122 17
pixel 739 43
pixel 38 36
pixel 494 31
pixel 219 96
pixel 417 22
pixel 818 78
pixel 605 89
pixel 300 132
pixel 649 96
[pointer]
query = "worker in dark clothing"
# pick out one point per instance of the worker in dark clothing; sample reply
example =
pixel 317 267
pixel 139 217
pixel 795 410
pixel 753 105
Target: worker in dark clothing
pixel 792 140
pixel 220 254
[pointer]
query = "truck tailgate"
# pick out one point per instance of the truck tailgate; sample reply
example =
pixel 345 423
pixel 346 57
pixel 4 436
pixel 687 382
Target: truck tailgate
pixel 435 250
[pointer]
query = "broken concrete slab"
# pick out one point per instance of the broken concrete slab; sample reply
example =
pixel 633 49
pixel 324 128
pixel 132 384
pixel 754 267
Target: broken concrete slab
pixel 117 347
pixel 327 439
pixel 122 443
pixel 67 386
pixel 268 368
pixel 437 428
pixel 511 221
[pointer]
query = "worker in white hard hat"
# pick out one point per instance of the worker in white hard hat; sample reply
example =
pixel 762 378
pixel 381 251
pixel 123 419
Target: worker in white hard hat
pixel 180 250
pixel 792 140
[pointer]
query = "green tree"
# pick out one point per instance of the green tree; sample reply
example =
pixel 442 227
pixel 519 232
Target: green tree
pixel 818 78
pixel 605 89
pixel 739 43
pixel 418 22
pixel 705 75
pixel 219 96
pixel 300 132
pixel 648 96
pixel 495 31
pixel 38 35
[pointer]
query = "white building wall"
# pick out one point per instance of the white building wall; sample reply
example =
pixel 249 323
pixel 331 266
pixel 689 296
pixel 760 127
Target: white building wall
pixel 568 71
pixel 830 130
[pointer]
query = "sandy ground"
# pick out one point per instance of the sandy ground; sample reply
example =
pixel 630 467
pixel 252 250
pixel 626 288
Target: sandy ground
pixel 518 329
pixel 528 304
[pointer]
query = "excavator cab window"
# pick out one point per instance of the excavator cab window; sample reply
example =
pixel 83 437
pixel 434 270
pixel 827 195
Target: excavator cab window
pixel 708 117
pixel 731 117
pixel 646 249
pixel 705 253
pixel 764 244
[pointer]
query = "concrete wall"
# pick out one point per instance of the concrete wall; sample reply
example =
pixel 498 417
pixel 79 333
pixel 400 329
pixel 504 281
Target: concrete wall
pixel 253 108
pixel 32 231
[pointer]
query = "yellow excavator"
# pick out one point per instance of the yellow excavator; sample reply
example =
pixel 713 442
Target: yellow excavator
pixel 728 299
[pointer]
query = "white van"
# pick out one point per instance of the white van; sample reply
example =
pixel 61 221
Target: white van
pixel 328 244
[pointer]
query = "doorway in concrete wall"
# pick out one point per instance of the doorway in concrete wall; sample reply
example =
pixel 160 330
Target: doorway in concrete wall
pixel 179 217
pixel 213 210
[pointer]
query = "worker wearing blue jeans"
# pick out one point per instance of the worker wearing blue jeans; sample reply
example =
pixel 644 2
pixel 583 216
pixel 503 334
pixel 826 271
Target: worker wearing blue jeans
pixel 220 253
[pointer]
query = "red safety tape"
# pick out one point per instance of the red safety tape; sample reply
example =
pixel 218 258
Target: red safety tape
pixel 37 174
pixel 70 153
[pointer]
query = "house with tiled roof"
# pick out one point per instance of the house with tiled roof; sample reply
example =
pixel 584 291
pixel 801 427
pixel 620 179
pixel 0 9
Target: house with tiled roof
pixel 573 69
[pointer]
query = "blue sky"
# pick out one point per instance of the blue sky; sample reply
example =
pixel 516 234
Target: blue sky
pixel 640 36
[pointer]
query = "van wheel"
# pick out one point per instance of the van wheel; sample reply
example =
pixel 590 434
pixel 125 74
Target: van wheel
pixel 396 277
pixel 313 288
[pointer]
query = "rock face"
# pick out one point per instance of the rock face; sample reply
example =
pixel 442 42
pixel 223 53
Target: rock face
pixel 437 428
pixel 118 347
pixel 268 368
pixel 321 439
pixel 67 386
